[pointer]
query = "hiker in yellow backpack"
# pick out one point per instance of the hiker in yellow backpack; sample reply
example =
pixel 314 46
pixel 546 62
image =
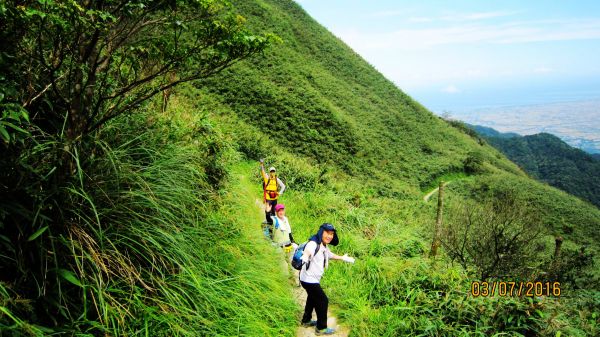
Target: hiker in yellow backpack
pixel 273 187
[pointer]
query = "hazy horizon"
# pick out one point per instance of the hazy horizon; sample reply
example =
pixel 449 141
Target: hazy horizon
pixel 508 95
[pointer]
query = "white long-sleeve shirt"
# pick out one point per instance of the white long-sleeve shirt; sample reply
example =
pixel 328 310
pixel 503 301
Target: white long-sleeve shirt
pixel 281 186
pixel 318 262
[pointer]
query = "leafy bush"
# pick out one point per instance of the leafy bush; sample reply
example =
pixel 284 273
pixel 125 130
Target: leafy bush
pixel 498 237
pixel 473 163
pixel 146 249
pixel 573 269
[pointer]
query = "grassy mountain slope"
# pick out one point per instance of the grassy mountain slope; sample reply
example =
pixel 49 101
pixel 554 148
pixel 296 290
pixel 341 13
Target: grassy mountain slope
pixel 549 159
pixel 490 132
pixel 313 94
pixel 358 152
pixel 315 97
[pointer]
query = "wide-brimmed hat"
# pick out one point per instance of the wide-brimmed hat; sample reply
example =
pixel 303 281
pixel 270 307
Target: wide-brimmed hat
pixel 327 227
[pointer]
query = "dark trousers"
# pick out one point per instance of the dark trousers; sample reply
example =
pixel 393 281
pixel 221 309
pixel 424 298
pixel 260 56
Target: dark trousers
pixel 316 300
pixel 270 213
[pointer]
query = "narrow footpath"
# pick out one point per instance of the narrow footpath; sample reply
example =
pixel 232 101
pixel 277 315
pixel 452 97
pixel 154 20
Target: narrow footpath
pixel 300 295
pixel 431 193
pixel 245 190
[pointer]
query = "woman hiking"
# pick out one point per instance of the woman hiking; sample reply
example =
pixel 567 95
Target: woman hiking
pixel 273 187
pixel 315 260
pixel 282 233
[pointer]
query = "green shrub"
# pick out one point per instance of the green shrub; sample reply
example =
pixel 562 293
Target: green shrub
pixel 473 163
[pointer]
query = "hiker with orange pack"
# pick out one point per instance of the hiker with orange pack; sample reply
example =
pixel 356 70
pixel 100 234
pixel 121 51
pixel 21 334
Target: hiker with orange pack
pixel 273 187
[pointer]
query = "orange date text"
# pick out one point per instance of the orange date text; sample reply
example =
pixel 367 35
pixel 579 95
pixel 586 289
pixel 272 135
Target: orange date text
pixel 515 289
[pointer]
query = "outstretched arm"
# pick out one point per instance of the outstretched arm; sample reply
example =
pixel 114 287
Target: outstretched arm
pixel 262 170
pixel 344 258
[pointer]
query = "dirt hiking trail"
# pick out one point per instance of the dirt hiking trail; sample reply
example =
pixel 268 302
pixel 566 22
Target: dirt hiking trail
pixel 300 296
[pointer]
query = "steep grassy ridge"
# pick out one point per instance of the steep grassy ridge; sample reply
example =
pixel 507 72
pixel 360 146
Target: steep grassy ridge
pixel 358 152
pixel 315 97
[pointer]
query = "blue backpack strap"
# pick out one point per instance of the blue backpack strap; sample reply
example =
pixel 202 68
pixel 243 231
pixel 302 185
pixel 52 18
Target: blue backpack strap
pixel 276 223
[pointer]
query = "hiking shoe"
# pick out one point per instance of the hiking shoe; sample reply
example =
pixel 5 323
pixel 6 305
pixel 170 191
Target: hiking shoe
pixel 326 331
pixel 309 324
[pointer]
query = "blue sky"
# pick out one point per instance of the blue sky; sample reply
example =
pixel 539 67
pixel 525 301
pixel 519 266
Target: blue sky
pixel 466 54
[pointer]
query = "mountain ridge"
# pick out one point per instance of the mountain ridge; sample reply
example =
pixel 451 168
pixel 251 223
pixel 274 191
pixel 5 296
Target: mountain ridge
pixel 549 159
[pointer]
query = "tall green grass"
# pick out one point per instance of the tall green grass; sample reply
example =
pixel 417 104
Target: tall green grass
pixel 395 289
pixel 150 246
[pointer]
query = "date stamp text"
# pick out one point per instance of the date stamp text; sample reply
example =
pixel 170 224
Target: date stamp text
pixel 515 289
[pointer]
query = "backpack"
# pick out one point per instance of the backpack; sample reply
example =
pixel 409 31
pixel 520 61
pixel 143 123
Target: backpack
pixel 272 194
pixel 297 257
pixel 267 231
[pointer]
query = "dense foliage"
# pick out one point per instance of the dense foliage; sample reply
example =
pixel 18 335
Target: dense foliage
pixel 498 237
pixel 489 132
pixel 93 191
pixel 549 159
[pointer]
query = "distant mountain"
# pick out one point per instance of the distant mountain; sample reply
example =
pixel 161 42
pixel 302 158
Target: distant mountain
pixel 549 159
pixel 582 117
pixel 596 156
pixel 489 132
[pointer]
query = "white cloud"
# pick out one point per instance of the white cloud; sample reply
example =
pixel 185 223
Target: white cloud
pixel 420 19
pixel 450 89
pixel 508 33
pixel 542 70
pixel 388 13
pixel 476 73
pixel 486 15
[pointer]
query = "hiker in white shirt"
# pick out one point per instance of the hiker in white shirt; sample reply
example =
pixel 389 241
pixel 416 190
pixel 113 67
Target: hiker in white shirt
pixel 282 231
pixel 315 260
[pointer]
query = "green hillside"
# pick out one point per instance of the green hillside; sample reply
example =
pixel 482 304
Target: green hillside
pixel 549 159
pixel 150 224
pixel 490 132
pixel 336 108
pixel 314 97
